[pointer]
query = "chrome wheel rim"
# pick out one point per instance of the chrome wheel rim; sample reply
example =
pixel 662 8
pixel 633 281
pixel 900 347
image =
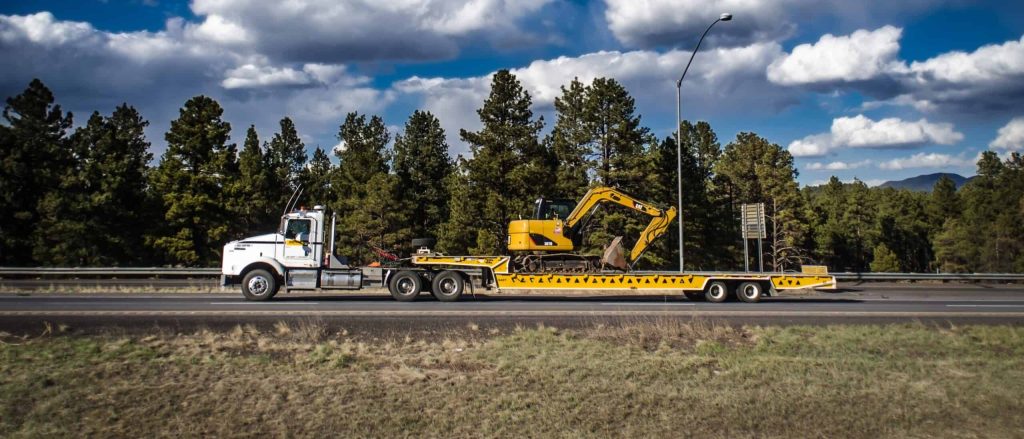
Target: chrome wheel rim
pixel 406 286
pixel 448 286
pixel 258 286
pixel 716 291
pixel 751 291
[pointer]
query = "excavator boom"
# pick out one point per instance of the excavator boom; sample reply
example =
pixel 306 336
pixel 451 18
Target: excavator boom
pixel 659 223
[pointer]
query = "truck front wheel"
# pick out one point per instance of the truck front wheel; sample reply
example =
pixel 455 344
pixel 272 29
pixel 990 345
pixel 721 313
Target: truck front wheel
pixel 405 286
pixel 259 285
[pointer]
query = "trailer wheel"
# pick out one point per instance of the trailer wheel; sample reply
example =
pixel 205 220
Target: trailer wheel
pixel 716 292
pixel 696 296
pixel 750 292
pixel 405 286
pixel 259 285
pixel 448 286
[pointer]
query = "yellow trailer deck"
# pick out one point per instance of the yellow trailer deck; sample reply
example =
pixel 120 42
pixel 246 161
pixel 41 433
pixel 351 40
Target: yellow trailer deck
pixel 715 285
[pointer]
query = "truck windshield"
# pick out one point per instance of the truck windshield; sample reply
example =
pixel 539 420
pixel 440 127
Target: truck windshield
pixel 298 229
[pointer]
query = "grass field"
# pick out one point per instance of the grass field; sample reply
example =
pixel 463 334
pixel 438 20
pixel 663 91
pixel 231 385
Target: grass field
pixel 638 379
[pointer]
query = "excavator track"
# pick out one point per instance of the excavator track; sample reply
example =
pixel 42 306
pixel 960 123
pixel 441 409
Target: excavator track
pixel 557 263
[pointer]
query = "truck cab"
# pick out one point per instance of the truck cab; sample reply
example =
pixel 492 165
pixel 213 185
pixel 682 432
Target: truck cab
pixel 298 256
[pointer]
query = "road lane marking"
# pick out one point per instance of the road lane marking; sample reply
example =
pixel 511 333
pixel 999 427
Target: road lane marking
pixel 429 313
pixel 986 306
pixel 646 304
pixel 264 303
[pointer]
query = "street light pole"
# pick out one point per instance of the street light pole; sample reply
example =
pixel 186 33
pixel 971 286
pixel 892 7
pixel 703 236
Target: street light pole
pixel 679 136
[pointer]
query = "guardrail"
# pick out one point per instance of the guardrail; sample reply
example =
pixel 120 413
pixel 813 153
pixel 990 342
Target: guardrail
pixel 157 272
pixel 944 277
pixel 112 272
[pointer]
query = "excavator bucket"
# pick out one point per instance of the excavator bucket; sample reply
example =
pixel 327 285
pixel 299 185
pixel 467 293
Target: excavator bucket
pixel 614 255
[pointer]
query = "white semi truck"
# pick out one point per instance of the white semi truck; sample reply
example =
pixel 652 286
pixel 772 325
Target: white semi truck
pixel 300 256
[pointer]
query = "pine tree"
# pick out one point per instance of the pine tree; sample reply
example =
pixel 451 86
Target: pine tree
pixel 34 157
pixel 623 156
pixel 194 176
pixel 955 250
pixel 619 138
pixel 885 260
pixel 710 228
pixel 944 202
pixel 759 171
pixel 65 212
pixel 363 154
pixel 455 234
pixel 859 224
pixel 365 190
pixel 257 210
pixel 421 165
pixel 510 167
pixel 832 235
pixel 286 157
pixel 571 141
pixel 316 178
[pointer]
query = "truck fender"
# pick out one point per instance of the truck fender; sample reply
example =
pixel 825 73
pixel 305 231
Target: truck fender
pixel 262 262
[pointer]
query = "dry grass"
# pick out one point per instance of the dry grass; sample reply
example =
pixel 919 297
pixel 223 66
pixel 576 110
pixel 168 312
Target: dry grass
pixel 643 378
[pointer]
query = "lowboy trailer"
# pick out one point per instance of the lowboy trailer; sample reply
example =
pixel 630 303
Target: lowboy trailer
pixel 295 258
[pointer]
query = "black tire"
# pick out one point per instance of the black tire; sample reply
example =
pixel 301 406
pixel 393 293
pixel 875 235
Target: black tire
pixel 259 285
pixel 750 292
pixel 696 296
pixel 405 286
pixel 716 292
pixel 448 286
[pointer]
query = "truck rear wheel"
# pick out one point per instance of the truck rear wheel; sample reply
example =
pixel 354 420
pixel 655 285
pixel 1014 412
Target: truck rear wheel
pixel 405 286
pixel 259 285
pixel 717 292
pixel 448 286
pixel 750 292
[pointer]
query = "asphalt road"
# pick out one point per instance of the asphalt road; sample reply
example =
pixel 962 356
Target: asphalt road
pixel 863 303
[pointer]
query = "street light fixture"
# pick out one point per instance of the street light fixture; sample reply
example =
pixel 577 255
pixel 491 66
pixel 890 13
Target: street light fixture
pixel 679 135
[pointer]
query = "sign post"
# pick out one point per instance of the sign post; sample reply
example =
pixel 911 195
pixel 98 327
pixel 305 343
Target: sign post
pixel 753 227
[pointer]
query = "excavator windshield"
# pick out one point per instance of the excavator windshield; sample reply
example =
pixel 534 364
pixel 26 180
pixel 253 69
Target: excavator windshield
pixel 551 209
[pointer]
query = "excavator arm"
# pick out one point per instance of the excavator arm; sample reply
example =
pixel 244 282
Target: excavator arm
pixel 659 223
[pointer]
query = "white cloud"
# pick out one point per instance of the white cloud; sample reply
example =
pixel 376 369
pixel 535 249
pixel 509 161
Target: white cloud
pixel 860 56
pixel 817 145
pixel 927 160
pixel 359 30
pixel 678 23
pixel 836 165
pixel 862 132
pixel 989 80
pixel 252 76
pixel 987 64
pixel 1010 136
pixel 736 73
pixel 656 22
pixel 217 29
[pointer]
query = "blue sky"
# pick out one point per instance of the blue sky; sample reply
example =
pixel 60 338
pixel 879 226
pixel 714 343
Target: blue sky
pixel 876 90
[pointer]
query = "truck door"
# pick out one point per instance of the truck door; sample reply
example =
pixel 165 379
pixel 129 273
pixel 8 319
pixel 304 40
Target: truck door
pixel 300 242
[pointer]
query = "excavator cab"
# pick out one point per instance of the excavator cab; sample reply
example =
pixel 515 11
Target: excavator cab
pixel 551 209
pixel 546 231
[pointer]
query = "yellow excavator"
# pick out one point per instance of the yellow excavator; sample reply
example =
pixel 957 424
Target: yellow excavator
pixel 556 228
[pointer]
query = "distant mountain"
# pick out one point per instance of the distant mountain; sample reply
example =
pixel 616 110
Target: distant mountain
pixel 925 183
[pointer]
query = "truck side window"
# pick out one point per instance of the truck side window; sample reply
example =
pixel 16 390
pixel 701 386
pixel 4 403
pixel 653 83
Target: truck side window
pixel 297 229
